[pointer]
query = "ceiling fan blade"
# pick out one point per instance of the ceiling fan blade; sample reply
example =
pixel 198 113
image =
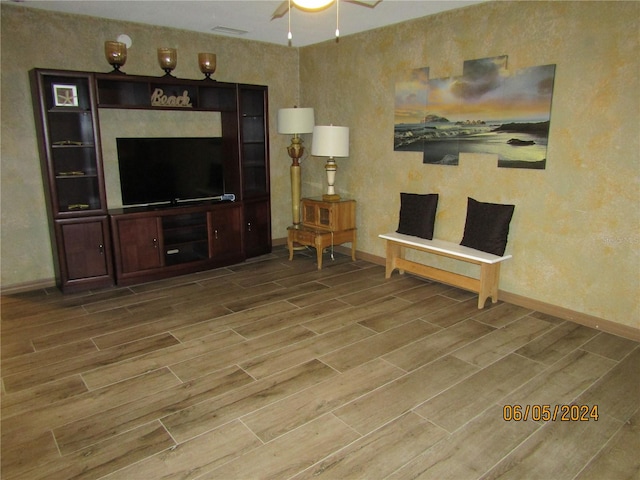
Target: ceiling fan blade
pixel 281 10
pixel 364 3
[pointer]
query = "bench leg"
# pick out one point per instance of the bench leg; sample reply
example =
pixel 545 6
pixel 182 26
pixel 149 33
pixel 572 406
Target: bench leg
pixel 489 279
pixel 393 251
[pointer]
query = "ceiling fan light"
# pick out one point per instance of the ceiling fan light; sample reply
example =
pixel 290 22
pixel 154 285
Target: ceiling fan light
pixel 312 4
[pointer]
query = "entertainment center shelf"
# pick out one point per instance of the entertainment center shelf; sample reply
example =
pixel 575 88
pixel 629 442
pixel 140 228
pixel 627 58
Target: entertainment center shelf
pixel 95 246
pixel 125 91
pixel 186 237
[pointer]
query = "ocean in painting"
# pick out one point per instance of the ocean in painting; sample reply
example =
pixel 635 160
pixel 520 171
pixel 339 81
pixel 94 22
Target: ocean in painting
pixel 517 144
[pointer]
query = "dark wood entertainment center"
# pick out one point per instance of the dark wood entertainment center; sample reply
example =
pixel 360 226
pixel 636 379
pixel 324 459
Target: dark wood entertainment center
pixel 97 247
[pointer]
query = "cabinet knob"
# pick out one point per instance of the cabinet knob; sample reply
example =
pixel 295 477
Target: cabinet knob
pixel 101 249
pixel 249 225
pixel 215 232
pixel 155 243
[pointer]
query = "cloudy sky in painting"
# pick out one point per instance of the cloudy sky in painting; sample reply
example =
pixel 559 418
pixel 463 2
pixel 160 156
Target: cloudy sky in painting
pixel 486 91
pixel 411 96
pixel 527 94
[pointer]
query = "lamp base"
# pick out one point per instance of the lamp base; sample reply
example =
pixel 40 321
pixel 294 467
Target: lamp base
pixel 334 197
pixel 331 168
pixel 295 191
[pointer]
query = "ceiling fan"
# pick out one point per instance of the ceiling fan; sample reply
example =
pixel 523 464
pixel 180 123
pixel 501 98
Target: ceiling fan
pixel 314 5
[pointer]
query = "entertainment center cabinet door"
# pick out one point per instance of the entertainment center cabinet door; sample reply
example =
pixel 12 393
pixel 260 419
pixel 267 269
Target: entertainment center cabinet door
pixel 225 237
pixel 85 253
pixel 257 228
pixel 137 244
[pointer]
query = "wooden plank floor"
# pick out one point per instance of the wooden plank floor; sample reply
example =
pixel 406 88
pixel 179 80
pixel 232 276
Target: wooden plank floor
pixel 273 369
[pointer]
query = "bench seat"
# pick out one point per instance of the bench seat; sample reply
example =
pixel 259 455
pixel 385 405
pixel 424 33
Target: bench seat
pixel 486 286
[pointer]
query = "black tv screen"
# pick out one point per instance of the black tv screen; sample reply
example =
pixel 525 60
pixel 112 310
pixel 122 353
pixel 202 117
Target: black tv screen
pixel 170 170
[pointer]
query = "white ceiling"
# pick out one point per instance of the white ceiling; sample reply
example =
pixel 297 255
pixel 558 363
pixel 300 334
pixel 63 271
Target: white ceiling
pixel 254 16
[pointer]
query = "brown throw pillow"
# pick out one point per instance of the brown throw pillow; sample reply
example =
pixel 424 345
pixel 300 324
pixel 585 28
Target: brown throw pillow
pixel 417 214
pixel 487 226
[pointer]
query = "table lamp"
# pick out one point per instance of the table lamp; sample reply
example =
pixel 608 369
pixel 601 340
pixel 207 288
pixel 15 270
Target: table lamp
pixel 330 141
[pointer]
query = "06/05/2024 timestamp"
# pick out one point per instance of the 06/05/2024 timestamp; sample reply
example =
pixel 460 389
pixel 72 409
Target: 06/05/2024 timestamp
pixel 545 413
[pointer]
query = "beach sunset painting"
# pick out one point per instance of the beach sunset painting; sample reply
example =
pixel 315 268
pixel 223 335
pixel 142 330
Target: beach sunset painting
pixel 486 110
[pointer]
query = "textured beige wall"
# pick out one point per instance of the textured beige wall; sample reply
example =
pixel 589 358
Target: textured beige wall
pixel 575 232
pixel 32 38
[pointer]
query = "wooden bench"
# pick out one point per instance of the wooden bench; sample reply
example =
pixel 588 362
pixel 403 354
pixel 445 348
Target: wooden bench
pixel 486 286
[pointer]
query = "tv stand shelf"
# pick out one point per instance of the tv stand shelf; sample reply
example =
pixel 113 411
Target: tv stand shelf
pixel 156 243
pixel 186 238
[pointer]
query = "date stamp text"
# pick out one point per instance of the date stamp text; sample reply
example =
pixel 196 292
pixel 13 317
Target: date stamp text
pixel 545 413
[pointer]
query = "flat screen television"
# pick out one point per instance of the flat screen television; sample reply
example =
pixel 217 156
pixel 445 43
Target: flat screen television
pixel 156 171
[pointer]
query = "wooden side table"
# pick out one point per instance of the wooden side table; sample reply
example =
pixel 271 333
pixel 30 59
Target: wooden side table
pixel 324 224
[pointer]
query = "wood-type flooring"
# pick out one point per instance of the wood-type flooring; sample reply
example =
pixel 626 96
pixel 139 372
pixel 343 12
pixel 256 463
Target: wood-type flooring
pixel 272 369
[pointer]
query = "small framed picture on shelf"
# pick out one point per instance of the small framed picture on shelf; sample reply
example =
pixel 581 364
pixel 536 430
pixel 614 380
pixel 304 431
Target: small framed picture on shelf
pixel 65 95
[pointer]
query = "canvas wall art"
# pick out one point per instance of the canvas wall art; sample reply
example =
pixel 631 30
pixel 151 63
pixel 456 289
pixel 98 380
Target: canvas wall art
pixel 488 109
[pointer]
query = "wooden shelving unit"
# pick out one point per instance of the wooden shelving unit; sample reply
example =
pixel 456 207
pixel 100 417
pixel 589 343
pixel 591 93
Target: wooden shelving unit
pixel 95 247
pixel 70 153
pixel 254 149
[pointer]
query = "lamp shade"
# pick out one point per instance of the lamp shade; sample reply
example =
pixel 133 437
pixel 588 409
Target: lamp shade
pixel 330 141
pixel 296 120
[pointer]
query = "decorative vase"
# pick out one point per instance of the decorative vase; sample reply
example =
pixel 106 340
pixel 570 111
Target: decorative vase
pixel 168 59
pixel 116 54
pixel 207 63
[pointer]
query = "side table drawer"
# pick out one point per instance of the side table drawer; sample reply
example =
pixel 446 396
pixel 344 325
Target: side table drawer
pixel 320 239
pixel 305 237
